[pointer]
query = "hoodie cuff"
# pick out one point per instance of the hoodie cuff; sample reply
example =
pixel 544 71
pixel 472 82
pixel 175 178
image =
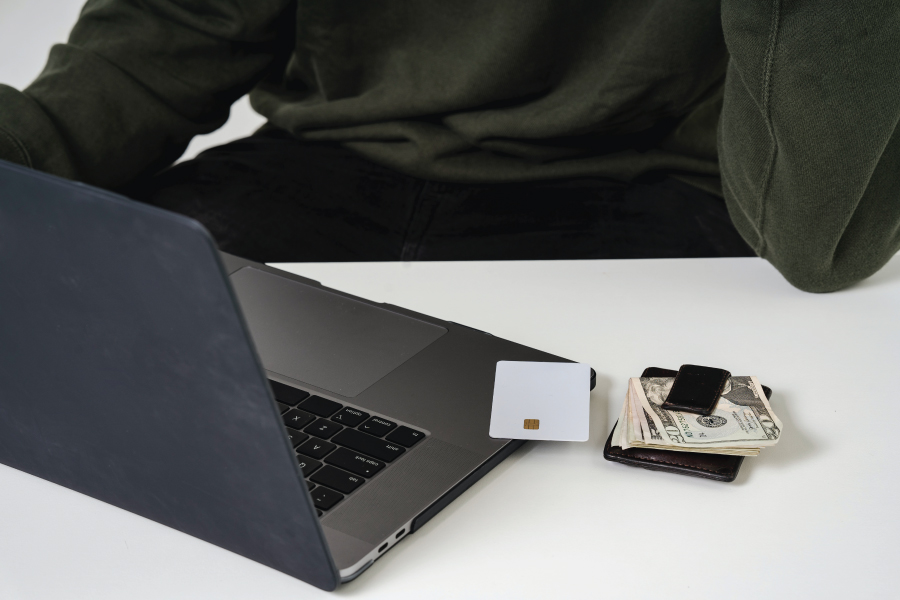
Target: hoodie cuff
pixel 28 137
pixel 12 150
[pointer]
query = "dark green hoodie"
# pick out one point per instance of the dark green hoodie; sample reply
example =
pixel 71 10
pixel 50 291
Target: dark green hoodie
pixel 794 104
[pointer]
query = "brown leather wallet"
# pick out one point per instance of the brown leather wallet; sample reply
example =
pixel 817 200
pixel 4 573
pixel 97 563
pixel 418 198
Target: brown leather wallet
pixel 709 466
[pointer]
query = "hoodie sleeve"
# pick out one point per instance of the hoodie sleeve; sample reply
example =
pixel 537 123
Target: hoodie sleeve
pixel 809 145
pixel 135 82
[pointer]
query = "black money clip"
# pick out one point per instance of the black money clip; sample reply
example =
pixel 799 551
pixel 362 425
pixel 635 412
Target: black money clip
pixel 696 389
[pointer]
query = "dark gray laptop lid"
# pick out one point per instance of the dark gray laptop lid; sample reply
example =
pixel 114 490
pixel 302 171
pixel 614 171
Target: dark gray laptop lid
pixel 127 374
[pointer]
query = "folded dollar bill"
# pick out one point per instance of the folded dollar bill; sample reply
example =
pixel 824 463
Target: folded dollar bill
pixel 742 424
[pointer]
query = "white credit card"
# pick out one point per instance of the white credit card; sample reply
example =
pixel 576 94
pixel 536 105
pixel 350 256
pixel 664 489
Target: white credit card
pixel 541 401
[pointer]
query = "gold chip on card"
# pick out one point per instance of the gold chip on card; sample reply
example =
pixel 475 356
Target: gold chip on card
pixel 532 423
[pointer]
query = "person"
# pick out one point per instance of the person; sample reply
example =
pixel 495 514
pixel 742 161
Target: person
pixel 431 130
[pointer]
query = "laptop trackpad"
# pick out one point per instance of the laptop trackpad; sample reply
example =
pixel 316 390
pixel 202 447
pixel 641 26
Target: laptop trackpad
pixel 325 339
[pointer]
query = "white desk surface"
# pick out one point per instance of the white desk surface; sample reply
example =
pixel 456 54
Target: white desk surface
pixel 815 516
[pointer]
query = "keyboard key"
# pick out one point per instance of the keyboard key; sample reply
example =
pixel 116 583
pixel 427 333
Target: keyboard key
pixel 297 437
pixel 354 462
pixel 336 479
pixel 320 406
pixel 311 485
pixel 307 464
pixel 282 408
pixel 323 428
pixel 315 448
pixel 319 512
pixel 287 394
pixel 365 443
pixel 405 436
pixel 324 498
pixel 350 417
pixel 297 419
pixel 377 426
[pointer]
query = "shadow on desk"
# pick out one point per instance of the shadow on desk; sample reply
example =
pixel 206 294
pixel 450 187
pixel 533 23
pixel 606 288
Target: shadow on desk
pixel 399 552
pixel 792 449
pixel 889 274
pixel 598 432
pixel 600 424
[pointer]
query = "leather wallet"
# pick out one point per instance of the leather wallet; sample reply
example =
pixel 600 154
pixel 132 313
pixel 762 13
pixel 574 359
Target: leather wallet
pixel 718 467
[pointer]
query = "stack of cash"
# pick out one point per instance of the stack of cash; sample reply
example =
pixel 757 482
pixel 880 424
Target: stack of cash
pixel 742 424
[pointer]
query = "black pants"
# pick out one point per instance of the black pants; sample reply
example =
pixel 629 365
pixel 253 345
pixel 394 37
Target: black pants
pixel 273 198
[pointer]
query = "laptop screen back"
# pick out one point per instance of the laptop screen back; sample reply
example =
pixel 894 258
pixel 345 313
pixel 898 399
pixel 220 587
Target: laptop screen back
pixel 127 374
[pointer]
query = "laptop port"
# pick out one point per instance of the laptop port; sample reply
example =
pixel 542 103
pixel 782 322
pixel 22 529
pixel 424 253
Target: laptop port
pixel 383 546
pixel 399 534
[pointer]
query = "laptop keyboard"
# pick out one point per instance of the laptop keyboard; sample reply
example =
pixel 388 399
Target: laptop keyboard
pixel 338 447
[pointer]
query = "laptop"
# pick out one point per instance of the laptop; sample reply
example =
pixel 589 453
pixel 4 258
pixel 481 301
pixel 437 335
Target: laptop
pixel 296 425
